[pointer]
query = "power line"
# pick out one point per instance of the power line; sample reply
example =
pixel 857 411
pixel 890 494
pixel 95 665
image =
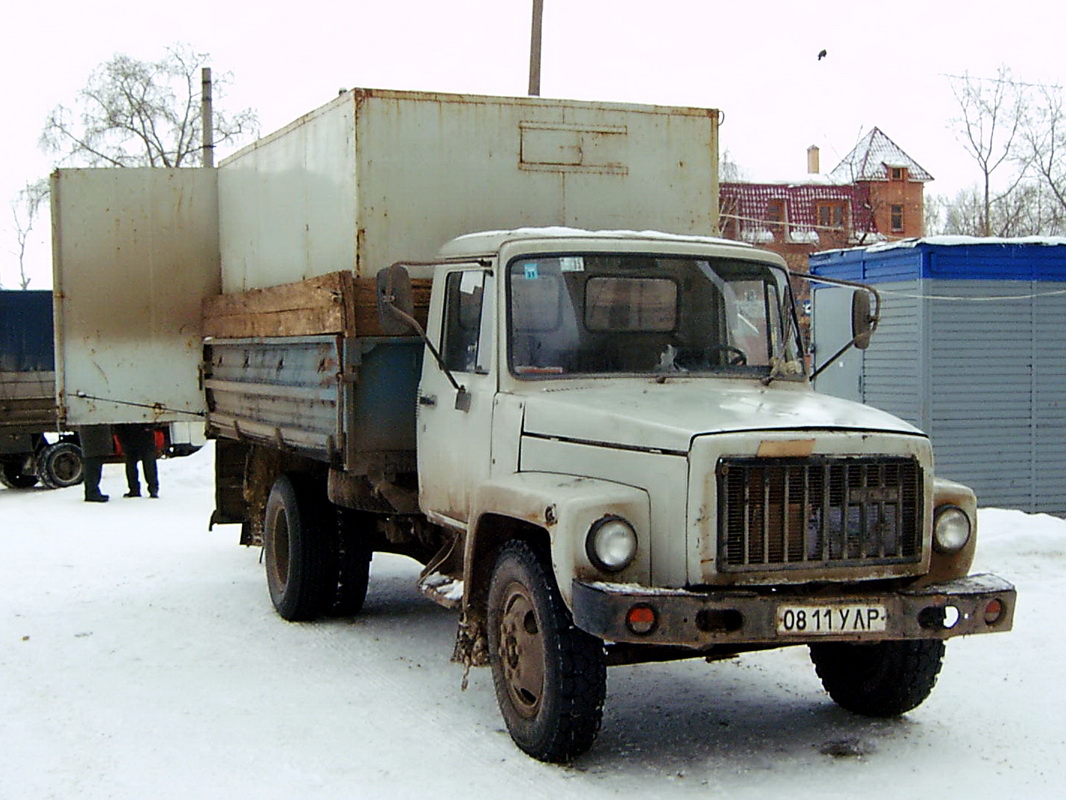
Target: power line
pixel 961 299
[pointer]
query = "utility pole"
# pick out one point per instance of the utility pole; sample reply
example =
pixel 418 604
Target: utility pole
pixel 534 49
pixel 207 115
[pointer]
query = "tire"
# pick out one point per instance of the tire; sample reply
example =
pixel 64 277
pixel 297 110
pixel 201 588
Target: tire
pixel 296 550
pixel 12 476
pixel 351 558
pixel 60 465
pixel 885 679
pixel 550 677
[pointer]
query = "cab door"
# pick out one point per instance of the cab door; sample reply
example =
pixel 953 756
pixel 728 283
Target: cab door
pixel 455 424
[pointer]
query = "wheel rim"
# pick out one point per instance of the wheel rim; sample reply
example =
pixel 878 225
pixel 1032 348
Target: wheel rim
pixel 66 467
pixel 522 651
pixel 279 550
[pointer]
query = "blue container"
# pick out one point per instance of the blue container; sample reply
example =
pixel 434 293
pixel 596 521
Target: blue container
pixel 26 343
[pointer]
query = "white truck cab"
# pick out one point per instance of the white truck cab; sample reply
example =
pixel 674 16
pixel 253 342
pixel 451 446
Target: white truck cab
pixel 620 431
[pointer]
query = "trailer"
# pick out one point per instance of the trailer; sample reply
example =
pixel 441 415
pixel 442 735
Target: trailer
pixel 33 446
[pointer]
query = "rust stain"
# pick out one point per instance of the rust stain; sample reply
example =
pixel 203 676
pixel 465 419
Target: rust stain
pixel 794 448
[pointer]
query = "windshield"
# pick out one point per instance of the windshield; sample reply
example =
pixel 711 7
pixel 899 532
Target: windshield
pixel 600 314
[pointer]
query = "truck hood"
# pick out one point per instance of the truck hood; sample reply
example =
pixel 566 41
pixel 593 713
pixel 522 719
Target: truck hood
pixel 649 415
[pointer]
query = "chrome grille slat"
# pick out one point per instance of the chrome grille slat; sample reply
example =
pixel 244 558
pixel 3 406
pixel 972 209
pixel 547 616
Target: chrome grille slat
pixel 818 512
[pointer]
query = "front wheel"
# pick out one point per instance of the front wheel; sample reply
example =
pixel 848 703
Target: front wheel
pixel 550 676
pixel 884 679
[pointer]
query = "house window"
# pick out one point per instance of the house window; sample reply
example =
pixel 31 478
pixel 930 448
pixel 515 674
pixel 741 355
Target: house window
pixel 897 219
pixel 830 215
pixel 897 173
pixel 775 211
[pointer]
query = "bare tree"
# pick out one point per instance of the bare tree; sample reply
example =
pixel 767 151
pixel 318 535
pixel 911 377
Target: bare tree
pixel 25 209
pixel 992 113
pixel 1028 210
pixel 729 171
pixel 1043 143
pixel 936 208
pixel 137 113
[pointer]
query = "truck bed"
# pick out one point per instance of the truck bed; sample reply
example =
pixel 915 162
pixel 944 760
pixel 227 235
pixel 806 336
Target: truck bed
pixel 27 402
pixel 306 368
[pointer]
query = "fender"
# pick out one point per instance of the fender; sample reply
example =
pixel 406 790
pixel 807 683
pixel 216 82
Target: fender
pixel 944 567
pixel 564 507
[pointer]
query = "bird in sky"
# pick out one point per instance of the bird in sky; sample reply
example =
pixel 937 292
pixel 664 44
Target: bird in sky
pixel 822 55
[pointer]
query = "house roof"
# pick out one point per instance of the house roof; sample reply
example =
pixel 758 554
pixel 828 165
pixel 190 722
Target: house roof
pixel 871 158
pixel 750 205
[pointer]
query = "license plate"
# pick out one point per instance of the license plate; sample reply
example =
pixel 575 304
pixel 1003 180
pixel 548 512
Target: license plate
pixel 830 618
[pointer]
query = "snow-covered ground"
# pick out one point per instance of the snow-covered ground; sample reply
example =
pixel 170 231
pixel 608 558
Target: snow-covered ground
pixel 140 658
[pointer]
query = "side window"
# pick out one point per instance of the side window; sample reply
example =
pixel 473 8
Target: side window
pixel 468 324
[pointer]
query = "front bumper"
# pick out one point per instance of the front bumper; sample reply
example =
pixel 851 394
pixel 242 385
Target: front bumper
pixel 742 617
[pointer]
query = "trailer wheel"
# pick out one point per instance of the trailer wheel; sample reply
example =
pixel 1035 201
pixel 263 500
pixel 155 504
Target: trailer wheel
pixel 550 676
pixel 352 559
pixel 885 679
pixel 60 465
pixel 296 550
pixel 12 476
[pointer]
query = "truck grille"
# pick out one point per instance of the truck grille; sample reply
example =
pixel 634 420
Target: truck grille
pixel 818 512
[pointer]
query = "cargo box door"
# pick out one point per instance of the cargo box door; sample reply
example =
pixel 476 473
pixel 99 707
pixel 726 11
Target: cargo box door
pixel 135 251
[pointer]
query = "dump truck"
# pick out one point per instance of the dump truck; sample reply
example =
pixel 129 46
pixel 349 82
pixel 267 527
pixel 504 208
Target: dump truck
pixel 33 448
pixel 496 335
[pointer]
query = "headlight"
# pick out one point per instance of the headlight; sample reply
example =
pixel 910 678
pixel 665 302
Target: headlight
pixel 611 544
pixel 951 529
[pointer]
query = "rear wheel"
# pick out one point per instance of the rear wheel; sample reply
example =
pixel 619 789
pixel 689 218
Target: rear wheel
pixel 352 563
pixel 296 550
pixel 884 679
pixel 550 676
pixel 60 465
pixel 13 477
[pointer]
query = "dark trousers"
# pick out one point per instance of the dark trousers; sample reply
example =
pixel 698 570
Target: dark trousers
pixel 151 473
pixel 92 471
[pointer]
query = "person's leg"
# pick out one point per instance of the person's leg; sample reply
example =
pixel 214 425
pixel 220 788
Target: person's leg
pixel 93 469
pixel 132 478
pixel 151 475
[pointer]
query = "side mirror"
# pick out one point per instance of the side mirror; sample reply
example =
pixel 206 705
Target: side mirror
pixel 862 322
pixel 394 295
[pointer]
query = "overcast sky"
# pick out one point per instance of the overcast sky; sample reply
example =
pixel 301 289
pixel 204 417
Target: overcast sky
pixel 886 65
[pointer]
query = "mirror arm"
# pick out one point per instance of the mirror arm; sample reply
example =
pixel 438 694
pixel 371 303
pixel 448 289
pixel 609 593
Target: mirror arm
pixel 833 358
pixel 875 316
pixel 391 306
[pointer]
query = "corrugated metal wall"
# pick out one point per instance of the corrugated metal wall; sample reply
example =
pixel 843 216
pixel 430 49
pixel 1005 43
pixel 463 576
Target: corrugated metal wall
pixel 968 350
pixel 893 373
pixel 980 388
pixel 1049 409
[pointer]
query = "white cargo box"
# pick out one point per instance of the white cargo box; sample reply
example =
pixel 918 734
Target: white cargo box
pixel 376 177
pixel 134 253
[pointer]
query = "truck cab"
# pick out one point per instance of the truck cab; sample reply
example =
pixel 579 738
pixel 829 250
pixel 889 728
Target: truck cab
pixel 621 433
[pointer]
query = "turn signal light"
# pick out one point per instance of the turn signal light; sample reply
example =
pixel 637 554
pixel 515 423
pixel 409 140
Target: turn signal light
pixel 641 619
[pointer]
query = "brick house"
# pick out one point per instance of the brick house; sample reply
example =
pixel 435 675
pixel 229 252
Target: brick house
pixel 876 193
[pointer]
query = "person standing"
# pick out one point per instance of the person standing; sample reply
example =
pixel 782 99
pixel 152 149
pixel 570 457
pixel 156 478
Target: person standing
pixel 137 441
pixel 96 445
